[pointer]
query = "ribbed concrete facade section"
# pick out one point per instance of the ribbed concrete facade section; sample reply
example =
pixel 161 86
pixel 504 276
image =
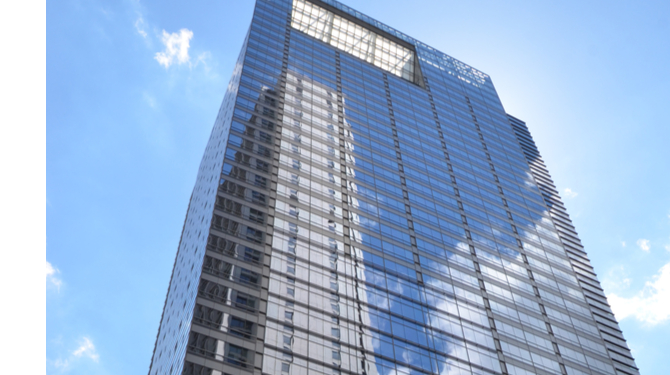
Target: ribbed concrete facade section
pixel 609 328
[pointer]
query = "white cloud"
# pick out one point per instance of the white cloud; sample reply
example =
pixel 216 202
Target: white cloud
pixel 139 26
pixel 62 364
pixel 569 193
pixel 151 101
pixel 623 243
pixel 651 305
pixel 51 276
pixel 203 58
pixel 176 48
pixel 617 279
pixel 643 244
pixel 86 349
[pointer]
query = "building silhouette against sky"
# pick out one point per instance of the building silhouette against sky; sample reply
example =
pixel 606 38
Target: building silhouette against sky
pixel 366 206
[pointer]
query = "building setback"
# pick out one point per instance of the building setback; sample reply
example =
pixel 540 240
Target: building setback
pixel 366 206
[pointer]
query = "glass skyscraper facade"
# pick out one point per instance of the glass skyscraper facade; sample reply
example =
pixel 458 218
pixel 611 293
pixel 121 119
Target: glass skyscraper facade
pixel 366 206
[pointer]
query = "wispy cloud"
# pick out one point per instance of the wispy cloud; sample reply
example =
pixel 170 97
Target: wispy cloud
pixel 623 243
pixel 569 193
pixel 140 27
pixel 651 305
pixel 176 48
pixel 643 244
pixel 52 278
pixel 203 59
pixel 149 99
pixel 86 349
pixel 177 45
pixel 617 279
pixel 61 364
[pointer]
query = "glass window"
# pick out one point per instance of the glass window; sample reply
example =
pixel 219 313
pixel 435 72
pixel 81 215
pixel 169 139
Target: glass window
pixel 352 38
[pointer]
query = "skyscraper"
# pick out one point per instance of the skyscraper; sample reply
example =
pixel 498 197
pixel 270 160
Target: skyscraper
pixel 366 206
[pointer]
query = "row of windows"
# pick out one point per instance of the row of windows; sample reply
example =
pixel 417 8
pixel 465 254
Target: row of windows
pixel 234 250
pixel 225 322
pixel 225 295
pixel 316 72
pixel 315 49
pixel 407 288
pixel 210 347
pixel 269 45
pixel 229 186
pixel 268 22
pixel 261 59
pixel 367 86
pixel 324 61
pixel 350 37
pixel 360 69
pixel 172 340
pixel 226 271
pixel 411 93
pixel 436 317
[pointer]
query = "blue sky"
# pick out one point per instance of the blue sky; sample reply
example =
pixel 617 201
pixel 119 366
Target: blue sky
pixel 133 89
